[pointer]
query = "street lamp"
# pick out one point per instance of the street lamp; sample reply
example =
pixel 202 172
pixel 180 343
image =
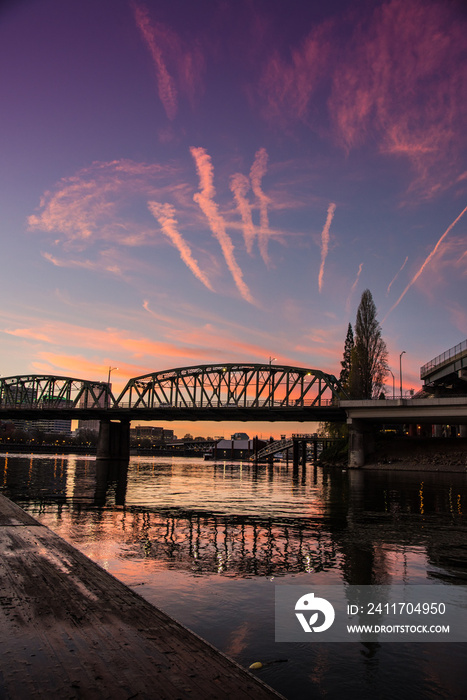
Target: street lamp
pixel 393 384
pixel 400 368
pixel 271 360
pixel 111 369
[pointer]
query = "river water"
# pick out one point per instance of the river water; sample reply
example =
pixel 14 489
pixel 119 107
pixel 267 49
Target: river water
pixel 209 542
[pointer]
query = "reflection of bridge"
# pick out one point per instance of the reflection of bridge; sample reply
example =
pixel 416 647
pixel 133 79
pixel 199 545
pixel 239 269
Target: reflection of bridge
pixel 235 392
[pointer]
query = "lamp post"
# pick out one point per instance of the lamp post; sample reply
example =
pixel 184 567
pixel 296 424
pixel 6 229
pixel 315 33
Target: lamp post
pixel 271 360
pixel 400 368
pixel 393 384
pixel 111 369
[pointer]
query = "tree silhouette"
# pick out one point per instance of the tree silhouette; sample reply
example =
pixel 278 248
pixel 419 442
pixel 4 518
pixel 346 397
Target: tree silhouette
pixel 346 362
pixel 369 354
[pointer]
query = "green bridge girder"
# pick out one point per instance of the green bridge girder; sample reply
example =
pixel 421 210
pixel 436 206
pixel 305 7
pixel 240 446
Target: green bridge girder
pixel 232 385
pixel 201 392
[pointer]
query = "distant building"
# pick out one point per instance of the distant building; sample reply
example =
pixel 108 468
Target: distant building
pixel 239 436
pixel 153 432
pixel 236 449
pixel 53 425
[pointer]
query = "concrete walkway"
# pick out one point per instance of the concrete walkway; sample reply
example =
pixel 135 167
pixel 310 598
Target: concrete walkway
pixel 71 630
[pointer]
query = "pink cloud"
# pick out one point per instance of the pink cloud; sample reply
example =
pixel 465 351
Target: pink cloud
pixel 151 34
pixel 402 76
pixel 205 200
pixel 89 206
pixel 397 79
pixel 166 47
pixel 287 85
pixel 257 172
pixel 325 243
pixel 80 367
pixel 121 341
pixel 165 214
pixel 239 184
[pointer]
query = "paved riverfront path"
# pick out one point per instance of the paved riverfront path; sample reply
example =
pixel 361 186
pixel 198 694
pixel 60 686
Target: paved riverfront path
pixel 71 630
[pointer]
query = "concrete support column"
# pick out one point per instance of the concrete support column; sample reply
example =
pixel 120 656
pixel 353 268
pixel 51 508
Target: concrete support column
pixel 114 440
pixel 437 430
pixel 463 431
pixel 356 443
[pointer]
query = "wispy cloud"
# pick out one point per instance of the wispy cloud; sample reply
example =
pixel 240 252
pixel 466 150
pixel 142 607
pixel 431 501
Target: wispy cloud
pixel 165 214
pixel 165 83
pixel 427 261
pixel 186 63
pixel 397 79
pixel 121 341
pixel 83 368
pixel 102 264
pixel 401 78
pixel 205 200
pixel 257 172
pixel 89 206
pixel 239 185
pixel 353 288
pixel 396 275
pixel 287 84
pixel 325 243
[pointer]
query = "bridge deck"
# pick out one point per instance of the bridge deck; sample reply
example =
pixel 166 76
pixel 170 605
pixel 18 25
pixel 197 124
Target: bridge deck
pixel 71 630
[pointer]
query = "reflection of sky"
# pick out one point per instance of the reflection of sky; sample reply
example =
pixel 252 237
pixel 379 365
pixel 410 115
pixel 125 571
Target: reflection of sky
pixel 222 183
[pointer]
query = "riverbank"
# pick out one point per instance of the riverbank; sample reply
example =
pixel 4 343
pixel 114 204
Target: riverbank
pixel 414 454
pixel 403 453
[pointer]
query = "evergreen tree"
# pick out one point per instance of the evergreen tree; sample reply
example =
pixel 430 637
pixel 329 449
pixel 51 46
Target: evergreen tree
pixel 346 362
pixel 369 354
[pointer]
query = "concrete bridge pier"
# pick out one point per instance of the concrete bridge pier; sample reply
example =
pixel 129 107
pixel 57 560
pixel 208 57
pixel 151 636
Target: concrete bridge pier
pixel 114 441
pixel 361 442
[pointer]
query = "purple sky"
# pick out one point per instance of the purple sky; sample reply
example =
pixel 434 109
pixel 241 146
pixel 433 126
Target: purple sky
pixel 195 182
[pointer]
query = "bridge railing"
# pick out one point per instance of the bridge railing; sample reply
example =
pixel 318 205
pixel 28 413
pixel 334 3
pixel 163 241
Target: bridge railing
pixel 447 356
pixel 253 403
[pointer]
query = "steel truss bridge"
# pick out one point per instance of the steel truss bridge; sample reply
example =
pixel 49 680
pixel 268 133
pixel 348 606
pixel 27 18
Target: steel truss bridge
pixel 241 392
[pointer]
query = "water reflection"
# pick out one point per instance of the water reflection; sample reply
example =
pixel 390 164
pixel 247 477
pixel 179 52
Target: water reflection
pixel 244 520
pixel 208 543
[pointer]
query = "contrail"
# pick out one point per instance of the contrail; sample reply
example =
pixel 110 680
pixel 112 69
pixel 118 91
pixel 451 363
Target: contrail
pixel 165 215
pixel 354 286
pixel 165 85
pixel 209 208
pixel 239 185
pixel 396 276
pixel 325 243
pixel 258 170
pixel 427 261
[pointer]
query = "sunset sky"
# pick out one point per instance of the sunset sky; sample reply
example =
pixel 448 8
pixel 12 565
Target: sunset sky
pixel 195 182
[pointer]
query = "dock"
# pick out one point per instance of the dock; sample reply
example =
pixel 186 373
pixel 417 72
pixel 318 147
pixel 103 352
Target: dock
pixel 69 629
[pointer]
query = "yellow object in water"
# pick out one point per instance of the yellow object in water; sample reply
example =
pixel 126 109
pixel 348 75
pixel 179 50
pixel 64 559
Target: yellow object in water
pixel 257 664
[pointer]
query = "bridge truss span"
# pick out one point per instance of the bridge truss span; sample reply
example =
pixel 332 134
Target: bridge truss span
pixel 252 386
pixel 49 393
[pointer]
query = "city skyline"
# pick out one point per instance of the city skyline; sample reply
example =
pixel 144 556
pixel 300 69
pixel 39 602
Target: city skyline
pixel 221 184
